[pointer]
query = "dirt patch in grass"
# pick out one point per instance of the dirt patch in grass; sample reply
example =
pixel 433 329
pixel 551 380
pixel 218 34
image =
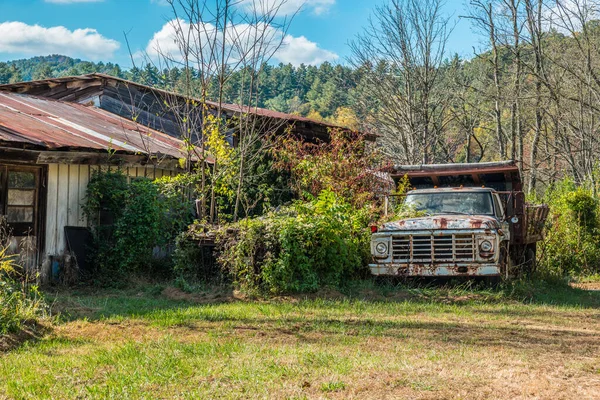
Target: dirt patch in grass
pixel 71 309
pixel 31 331
pixel 322 294
pixel 594 286
pixel 212 297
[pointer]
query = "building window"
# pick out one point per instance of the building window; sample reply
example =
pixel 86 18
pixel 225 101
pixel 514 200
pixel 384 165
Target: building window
pixel 19 198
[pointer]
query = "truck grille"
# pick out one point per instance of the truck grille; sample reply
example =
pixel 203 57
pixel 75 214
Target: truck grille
pixel 433 248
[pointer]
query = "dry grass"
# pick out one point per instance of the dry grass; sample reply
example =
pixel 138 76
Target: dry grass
pixel 394 344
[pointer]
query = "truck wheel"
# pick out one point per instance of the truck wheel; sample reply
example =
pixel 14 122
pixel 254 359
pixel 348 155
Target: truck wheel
pixel 507 269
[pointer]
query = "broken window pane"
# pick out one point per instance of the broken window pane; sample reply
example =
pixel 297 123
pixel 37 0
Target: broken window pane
pixel 18 197
pixel 21 180
pixel 19 214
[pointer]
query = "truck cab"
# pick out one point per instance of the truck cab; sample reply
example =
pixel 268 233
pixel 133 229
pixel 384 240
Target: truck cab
pixel 464 230
pixel 459 232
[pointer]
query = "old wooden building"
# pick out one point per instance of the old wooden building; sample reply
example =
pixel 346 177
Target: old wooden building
pixel 48 151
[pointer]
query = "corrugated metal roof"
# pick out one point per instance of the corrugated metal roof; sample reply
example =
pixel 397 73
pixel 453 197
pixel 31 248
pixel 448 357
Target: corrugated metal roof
pixel 56 125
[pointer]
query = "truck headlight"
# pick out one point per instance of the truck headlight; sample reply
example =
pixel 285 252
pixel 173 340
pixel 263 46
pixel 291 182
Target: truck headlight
pixel 486 246
pixel 381 248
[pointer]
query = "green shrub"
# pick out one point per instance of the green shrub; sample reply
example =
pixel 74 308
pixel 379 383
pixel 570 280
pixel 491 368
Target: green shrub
pixel 138 230
pixel 130 218
pixel 296 249
pixel 571 245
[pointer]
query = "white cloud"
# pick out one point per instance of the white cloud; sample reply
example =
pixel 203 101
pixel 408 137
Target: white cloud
pixel 241 37
pixel 72 1
pixel 287 7
pixel 20 38
pixel 160 2
pixel 300 50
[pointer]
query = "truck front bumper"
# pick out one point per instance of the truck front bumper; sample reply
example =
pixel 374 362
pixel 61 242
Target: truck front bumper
pixel 436 269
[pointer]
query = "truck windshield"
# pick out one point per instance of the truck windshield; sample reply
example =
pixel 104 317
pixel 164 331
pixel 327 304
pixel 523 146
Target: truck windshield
pixel 471 203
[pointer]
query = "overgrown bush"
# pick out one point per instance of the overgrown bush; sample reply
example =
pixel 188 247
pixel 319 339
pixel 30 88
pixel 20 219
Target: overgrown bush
pixel 572 242
pixel 194 256
pixel 300 248
pixel 130 218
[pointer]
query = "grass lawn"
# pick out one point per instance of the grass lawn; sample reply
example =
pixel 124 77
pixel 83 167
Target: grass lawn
pixel 394 343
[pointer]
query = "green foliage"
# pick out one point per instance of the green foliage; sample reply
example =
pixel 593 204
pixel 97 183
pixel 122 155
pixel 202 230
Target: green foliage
pixel 263 186
pixel 174 196
pixel 301 248
pixel 572 243
pixel 20 302
pixel 129 219
pixel 106 191
pixel 139 227
pixel 345 165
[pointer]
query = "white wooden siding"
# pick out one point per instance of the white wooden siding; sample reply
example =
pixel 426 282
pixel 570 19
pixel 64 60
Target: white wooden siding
pixel 67 184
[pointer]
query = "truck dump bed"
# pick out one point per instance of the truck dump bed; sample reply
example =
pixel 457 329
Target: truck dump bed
pixel 503 176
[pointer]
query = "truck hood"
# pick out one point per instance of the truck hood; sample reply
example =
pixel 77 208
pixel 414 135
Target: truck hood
pixel 443 222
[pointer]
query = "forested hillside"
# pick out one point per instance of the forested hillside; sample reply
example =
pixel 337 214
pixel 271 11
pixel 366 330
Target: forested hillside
pixel 51 67
pixel 323 92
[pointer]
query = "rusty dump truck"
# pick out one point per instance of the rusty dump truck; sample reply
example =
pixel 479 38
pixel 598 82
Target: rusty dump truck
pixel 472 221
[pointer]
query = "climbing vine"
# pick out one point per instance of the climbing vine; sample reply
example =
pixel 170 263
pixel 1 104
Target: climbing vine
pixel 132 217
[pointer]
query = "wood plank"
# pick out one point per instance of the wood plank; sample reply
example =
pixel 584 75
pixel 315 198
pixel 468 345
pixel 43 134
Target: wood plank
pixel 84 177
pixel 62 208
pixel 89 158
pixel 73 194
pixel 52 193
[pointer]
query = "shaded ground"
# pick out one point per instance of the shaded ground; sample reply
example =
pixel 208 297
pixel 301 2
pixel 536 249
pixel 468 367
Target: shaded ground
pixel 31 332
pixel 368 343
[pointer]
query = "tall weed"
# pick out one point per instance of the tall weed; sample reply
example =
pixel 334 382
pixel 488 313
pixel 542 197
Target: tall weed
pixel 20 302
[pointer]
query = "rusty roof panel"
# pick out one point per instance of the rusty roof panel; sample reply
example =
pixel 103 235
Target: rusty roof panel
pixel 52 124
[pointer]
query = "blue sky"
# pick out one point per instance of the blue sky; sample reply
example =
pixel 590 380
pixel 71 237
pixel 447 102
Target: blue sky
pixel 93 29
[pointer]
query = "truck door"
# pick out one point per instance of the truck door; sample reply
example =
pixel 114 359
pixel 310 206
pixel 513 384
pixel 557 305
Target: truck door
pixel 501 213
